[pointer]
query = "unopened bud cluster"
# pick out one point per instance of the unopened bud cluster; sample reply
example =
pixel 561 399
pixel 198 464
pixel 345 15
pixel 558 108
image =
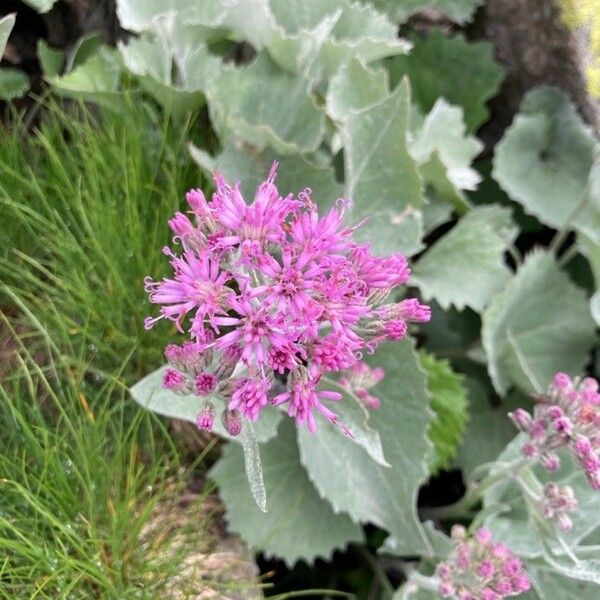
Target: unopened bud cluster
pixel 556 502
pixel 191 371
pixel 567 416
pixel 480 569
pixel 359 379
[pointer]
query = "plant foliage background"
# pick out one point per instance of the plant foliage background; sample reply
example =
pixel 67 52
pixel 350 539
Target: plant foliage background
pixel 504 242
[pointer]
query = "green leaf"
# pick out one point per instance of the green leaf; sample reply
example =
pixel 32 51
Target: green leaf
pixel 352 482
pixel 381 177
pixel 6 25
pixel 13 83
pixel 240 162
pixel 149 393
pixel 591 251
pixel 177 75
pixel 549 585
pixel 489 429
pixel 449 404
pixel 299 525
pixel 96 80
pixel 459 11
pixel 51 60
pixel 355 87
pixel 462 72
pixel 42 6
pixel 522 528
pixel 285 118
pixel 466 266
pixel 444 154
pixel 544 162
pixel 538 325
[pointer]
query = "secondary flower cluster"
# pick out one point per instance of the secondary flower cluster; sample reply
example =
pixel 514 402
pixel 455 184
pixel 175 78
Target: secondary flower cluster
pixel 567 416
pixel 281 289
pixel 359 379
pixel 480 569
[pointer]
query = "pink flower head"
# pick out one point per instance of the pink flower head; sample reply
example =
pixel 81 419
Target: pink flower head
pixel 479 568
pixel 175 381
pixel 250 397
pixel 273 287
pixel 567 416
pixel 205 383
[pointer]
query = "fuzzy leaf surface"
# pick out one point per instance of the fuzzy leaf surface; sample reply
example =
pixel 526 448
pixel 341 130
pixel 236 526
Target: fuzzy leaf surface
pixel 381 177
pixel 545 160
pixel 299 524
pixel 466 266
pixel 352 482
pixel 538 325
pixel 459 11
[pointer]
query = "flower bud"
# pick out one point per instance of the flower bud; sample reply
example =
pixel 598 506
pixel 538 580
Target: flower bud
pixel 232 421
pixel 206 417
pixel 176 381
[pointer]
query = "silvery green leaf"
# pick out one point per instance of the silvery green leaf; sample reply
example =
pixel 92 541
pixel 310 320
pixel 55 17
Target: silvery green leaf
pixel 550 585
pixel 285 118
pixel 299 525
pixel 381 177
pixel 6 25
pixel 149 393
pixel 444 153
pixel 539 324
pixel 42 6
pixel 545 162
pixel 591 251
pixel 240 162
pixel 352 482
pixel 466 266
pixel 463 73
pixel 355 87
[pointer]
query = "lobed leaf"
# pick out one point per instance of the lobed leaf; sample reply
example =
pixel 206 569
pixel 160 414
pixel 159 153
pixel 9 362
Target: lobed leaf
pixel 449 404
pixel 381 177
pixel 466 266
pixel 299 525
pixel 352 482
pixel 538 325
pixel 544 162
pixel 459 11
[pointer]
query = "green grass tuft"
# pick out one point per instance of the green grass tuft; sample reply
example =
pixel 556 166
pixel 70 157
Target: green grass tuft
pixel 84 204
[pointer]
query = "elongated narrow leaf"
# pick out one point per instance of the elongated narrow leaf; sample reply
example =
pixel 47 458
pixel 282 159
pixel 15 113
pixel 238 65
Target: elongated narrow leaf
pixel 349 478
pixel 299 525
pixel 538 325
pixel 253 466
pixel 466 266
pixel 381 177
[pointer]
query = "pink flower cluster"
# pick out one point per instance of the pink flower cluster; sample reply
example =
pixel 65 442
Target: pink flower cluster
pixel 285 291
pixel 556 502
pixel 567 416
pixel 480 569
